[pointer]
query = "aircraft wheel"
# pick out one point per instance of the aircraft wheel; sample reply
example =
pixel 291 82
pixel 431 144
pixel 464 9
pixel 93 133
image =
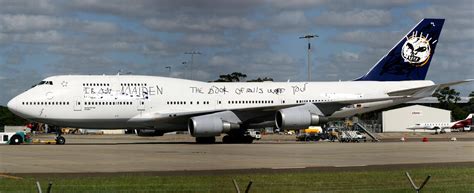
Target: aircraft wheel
pixel 227 139
pixel 248 140
pixel 16 140
pixel 236 139
pixel 60 140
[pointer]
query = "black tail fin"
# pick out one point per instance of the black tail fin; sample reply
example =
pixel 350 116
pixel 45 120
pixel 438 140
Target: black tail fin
pixel 411 57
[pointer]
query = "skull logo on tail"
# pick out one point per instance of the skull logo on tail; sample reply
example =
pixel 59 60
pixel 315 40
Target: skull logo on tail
pixel 416 50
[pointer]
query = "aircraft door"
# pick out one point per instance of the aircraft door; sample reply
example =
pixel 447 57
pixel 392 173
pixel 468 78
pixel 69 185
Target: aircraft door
pixel 78 104
pixel 141 105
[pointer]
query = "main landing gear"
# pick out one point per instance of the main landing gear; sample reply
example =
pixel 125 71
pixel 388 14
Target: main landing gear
pixel 238 137
pixel 205 140
pixel 228 139
pixel 60 140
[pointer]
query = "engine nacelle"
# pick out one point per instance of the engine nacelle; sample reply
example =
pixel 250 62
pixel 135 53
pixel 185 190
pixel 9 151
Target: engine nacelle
pixel 297 118
pixel 149 132
pixel 209 126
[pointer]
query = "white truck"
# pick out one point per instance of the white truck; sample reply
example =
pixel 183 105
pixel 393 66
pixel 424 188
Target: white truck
pixel 255 134
pixel 14 138
pixel 352 136
pixel 5 137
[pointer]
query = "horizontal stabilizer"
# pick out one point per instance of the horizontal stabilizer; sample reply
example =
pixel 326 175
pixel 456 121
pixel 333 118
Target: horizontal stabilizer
pixel 425 91
pixel 441 86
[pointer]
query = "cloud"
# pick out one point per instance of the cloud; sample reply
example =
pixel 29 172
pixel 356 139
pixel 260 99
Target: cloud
pixel 370 38
pixel 295 4
pixel 256 37
pixel 156 47
pixel 27 23
pixel 222 61
pixel 39 37
pixel 289 20
pixel 346 57
pixel 204 24
pixel 148 8
pixel 28 7
pixel 359 18
pixel 3 37
pixel 85 65
pixel 95 27
pixel 346 5
pixel 68 50
pixel 204 40
pixel 280 66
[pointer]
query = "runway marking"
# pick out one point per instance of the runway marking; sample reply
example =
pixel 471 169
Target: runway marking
pixel 282 168
pixel 343 166
pixel 10 177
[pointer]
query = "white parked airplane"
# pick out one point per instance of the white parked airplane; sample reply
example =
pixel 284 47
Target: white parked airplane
pixel 206 110
pixel 442 126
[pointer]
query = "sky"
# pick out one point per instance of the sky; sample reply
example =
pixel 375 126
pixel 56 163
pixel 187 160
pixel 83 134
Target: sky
pixel 260 38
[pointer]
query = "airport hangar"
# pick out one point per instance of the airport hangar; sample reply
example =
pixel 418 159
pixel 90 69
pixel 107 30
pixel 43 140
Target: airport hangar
pixel 398 118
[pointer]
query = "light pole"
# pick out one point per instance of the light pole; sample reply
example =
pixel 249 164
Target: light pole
pixel 185 64
pixel 309 37
pixel 192 53
pixel 169 70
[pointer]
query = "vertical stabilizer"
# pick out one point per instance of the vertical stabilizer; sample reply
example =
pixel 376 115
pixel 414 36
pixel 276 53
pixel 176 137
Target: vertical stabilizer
pixel 411 57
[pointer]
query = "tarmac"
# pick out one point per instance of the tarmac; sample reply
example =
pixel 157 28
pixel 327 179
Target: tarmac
pixel 174 153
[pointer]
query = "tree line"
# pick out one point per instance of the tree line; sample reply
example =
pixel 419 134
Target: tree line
pixel 448 99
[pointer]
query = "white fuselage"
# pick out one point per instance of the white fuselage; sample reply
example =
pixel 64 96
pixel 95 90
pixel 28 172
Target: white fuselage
pixel 129 101
pixel 431 126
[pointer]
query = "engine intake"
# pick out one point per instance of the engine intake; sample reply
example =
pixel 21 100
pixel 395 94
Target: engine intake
pixel 297 118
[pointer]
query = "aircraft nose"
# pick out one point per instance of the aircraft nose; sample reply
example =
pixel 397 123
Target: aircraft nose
pixel 13 106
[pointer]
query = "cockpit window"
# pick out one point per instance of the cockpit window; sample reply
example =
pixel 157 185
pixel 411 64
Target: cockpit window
pixel 44 82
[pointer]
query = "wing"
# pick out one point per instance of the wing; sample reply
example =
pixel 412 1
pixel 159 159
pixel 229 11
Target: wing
pixel 245 114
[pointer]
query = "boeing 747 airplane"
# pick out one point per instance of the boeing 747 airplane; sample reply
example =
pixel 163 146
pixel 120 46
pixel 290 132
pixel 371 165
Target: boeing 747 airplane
pixel 207 110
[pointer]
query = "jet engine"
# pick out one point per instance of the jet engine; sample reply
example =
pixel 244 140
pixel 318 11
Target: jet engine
pixel 210 125
pixel 300 117
pixel 149 132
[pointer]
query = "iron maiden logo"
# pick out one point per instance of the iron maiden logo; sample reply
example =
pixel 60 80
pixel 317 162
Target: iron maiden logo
pixel 416 49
